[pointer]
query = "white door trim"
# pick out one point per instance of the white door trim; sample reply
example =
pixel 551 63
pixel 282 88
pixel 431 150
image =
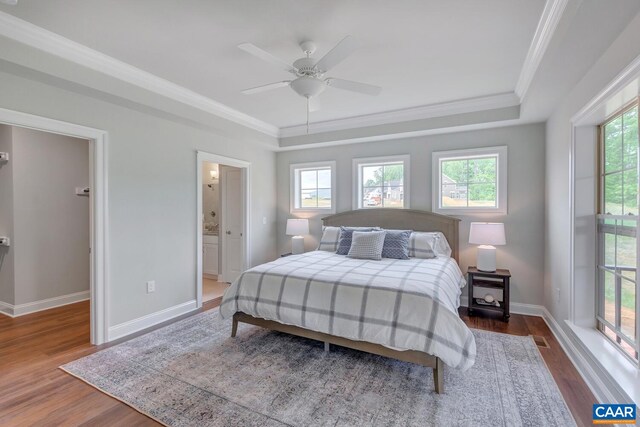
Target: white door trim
pixel 202 156
pixel 99 207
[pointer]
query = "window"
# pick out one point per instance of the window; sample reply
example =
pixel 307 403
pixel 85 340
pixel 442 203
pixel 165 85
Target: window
pixel 313 187
pixel 618 305
pixel 472 180
pixel 381 182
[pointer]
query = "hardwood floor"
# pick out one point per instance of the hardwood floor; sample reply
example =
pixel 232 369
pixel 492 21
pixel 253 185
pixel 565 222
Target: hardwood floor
pixel 33 392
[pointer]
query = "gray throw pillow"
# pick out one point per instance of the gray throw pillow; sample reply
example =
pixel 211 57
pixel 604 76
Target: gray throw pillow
pixel 396 244
pixel 367 245
pixel 345 238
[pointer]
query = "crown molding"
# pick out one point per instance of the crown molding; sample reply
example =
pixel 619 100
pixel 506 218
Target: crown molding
pixel 551 16
pixel 461 106
pixel 406 135
pixel 37 37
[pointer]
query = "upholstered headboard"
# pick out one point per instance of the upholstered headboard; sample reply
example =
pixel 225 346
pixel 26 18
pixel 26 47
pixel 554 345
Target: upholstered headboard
pixel 400 219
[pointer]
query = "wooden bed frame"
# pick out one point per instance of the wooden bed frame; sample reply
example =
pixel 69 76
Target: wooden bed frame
pixel 398 219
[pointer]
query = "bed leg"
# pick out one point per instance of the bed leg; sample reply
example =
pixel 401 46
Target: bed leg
pixel 327 347
pixel 234 326
pixel 438 376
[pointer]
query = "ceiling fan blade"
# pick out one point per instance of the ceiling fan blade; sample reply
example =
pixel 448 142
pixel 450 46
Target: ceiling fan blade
pixel 336 55
pixel 266 56
pixel 354 86
pixel 264 88
pixel 314 104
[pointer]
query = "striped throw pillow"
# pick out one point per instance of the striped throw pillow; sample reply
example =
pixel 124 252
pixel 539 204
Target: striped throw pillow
pixel 367 245
pixel 330 239
pixel 422 245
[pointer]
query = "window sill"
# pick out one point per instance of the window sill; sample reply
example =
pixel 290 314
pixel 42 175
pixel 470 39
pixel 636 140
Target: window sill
pixel 620 368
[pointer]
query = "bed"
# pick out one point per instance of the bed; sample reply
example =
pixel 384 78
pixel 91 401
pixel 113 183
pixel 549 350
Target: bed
pixel 403 309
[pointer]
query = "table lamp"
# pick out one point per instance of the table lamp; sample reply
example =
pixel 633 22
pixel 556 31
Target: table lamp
pixel 487 234
pixel 297 228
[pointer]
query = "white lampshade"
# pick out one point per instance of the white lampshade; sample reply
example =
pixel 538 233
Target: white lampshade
pixel 487 233
pixel 297 227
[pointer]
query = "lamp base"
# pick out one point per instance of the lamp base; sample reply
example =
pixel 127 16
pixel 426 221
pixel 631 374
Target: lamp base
pixel 297 245
pixel 486 258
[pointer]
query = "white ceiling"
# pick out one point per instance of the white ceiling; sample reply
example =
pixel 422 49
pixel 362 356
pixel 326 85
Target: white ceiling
pixel 420 52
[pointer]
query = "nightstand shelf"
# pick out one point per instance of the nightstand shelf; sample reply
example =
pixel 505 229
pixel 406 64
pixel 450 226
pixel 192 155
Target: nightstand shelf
pixel 496 280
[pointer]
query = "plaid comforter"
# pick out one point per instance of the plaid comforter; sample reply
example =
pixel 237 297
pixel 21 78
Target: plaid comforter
pixel 402 304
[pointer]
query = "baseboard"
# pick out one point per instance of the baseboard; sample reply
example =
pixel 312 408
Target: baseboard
pixel 6 309
pixel 514 307
pixel 45 304
pixel 144 322
pixel 600 390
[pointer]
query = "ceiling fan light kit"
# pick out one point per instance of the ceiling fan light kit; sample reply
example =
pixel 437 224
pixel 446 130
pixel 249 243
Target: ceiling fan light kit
pixel 310 81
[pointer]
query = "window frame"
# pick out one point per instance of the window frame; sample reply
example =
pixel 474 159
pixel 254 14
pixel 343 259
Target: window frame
pixel 294 183
pixel 501 152
pixel 619 338
pixel 357 165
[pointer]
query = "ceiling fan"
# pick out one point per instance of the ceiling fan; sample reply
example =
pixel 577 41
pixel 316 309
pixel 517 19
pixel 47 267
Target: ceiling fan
pixel 309 81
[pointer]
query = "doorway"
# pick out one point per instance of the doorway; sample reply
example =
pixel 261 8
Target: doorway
pixel 223 207
pixel 97 223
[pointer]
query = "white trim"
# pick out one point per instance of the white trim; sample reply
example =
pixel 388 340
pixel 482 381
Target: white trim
pixel 54 44
pixel 502 179
pixel 627 76
pixel 144 322
pixel 404 135
pixel 551 16
pixel 6 309
pixel 293 184
pixel 98 140
pixel 203 156
pixel 406 184
pixel 45 304
pixel 450 108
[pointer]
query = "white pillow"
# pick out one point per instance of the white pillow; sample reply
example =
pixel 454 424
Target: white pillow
pixel 330 239
pixel 442 246
pixel 422 245
pixel 367 245
pixel 428 244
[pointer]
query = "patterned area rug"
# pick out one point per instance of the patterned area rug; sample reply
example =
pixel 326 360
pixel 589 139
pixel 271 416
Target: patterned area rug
pixel 191 373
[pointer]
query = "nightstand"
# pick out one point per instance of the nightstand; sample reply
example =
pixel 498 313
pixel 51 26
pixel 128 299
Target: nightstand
pixel 496 280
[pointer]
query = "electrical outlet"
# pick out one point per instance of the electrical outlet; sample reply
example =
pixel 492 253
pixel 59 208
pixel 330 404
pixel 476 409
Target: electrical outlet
pixel 151 286
pixel 264 220
pixel 558 294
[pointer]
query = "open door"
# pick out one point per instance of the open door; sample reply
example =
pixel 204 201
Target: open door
pixel 232 224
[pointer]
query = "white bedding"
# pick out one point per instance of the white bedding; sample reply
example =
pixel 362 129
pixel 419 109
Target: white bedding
pixel 402 304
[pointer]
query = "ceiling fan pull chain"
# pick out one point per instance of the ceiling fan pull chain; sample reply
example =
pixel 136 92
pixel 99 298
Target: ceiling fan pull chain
pixel 307 115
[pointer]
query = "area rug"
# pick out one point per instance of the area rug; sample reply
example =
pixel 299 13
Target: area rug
pixel 191 373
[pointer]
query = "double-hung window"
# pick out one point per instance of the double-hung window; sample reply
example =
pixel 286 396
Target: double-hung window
pixel 617 225
pixel 470 181
pixel 381 182
pixel 313 187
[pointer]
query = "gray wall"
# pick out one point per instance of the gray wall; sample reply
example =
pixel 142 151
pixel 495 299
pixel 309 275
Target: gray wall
pixel 6 218
pixel 152 191
pixel 51 223
pixel 558 140
pixel 523 254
